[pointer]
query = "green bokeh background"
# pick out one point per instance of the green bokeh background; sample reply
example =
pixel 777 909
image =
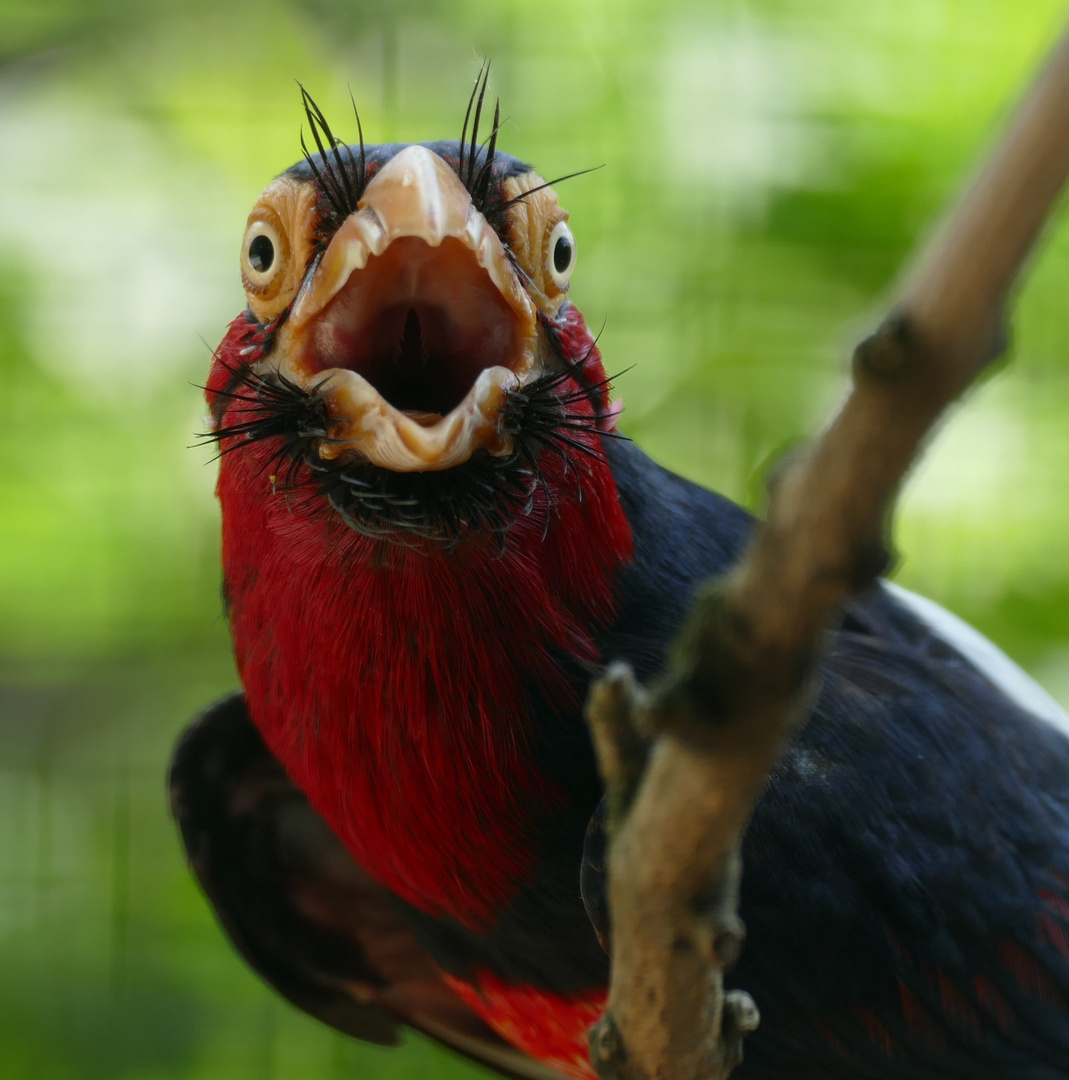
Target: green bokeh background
pixel 768 166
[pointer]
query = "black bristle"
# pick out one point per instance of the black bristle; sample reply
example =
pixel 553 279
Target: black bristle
pixel 469 171
pixel 475 162
pixel 476 95
pixel 484 495
pixel 548 183
pixel 482 182
pixel 339 176
pixel 363 153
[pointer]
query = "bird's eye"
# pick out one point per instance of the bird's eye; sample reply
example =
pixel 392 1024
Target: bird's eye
pixel 261 255
pixel 560 255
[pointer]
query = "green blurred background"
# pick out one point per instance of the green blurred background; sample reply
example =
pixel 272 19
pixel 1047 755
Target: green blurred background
pixel 769 165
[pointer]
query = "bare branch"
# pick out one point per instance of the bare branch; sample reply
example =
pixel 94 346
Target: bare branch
pixel 739 681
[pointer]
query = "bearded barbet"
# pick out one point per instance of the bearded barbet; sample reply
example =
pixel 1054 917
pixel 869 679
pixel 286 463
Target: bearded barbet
pixel 433 539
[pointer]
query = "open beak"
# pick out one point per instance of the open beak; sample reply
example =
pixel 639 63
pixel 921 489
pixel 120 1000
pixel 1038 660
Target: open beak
pixel 417 322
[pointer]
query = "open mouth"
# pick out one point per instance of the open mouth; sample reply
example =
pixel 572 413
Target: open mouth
pixel 419 324
pixel 415 323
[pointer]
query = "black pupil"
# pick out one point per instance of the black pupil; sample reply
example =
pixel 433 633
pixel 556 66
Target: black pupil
pixel 562 254
pixel 261 253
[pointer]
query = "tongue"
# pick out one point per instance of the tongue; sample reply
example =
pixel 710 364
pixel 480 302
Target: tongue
pixel 411 349
pixel 411 362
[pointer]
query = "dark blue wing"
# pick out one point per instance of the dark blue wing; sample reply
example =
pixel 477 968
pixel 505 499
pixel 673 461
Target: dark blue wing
pixel 906 882
pixel 906 886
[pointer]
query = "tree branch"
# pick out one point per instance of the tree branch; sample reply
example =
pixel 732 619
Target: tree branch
pixel 685 762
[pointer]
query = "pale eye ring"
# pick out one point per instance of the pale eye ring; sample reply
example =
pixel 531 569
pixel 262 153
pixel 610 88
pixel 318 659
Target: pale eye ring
pixel 261 254
pixel 560 255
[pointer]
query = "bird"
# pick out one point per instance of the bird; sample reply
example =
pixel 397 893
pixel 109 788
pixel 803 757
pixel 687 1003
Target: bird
pixel 434 537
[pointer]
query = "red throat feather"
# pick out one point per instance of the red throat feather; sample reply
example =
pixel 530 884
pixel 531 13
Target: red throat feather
pixel 392 680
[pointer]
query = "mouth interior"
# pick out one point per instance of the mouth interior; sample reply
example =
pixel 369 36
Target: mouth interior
pixel 419 323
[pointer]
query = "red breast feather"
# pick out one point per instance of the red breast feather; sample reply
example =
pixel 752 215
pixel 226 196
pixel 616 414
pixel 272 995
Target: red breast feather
pixel 392 681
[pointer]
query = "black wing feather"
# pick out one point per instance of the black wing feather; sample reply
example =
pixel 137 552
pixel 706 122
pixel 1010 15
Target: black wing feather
pixel 906 872
pixel 298 907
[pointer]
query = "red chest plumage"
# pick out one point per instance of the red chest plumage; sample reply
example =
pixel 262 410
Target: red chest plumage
pixel 393 681
pixel 551 1028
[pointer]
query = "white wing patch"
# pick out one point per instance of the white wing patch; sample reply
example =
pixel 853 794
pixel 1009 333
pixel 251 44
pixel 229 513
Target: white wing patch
pixel 989 659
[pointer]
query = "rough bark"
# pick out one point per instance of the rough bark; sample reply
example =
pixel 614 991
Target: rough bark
pixel 684 761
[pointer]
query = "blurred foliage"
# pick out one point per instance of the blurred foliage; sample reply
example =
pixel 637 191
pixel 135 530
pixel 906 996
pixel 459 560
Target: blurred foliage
pixel 769 166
